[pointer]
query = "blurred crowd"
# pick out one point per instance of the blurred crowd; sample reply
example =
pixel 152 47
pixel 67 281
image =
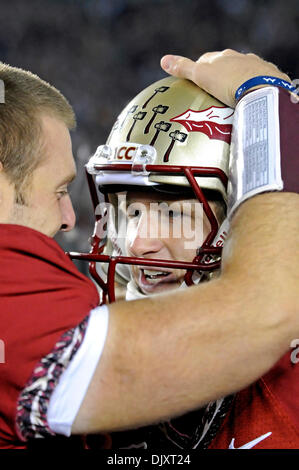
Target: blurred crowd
pixel 100 53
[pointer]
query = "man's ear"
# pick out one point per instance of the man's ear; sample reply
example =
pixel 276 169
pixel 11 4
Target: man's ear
pixel 1 167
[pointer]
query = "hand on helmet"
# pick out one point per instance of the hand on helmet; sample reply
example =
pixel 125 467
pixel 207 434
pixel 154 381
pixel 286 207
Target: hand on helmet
pixel 220 73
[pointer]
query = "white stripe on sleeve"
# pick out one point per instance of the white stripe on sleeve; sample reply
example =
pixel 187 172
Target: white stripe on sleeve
pixel 72 386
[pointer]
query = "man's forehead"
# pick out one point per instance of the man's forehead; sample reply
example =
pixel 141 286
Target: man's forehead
pixel 57 149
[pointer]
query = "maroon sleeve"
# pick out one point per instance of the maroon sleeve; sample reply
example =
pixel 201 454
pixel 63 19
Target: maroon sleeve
pixel 289 141
pixel 283 381
pixel 43 298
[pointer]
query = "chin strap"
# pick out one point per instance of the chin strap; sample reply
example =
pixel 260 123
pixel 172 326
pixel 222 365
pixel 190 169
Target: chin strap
pixel 133 293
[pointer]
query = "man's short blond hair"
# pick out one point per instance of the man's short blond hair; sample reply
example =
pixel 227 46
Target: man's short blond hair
pixel 26 98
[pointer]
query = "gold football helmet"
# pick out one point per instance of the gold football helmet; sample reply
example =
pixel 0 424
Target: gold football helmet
pixel 171 137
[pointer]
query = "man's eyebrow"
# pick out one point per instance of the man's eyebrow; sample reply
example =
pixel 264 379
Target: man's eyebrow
pixel 68 179
pixel 129 200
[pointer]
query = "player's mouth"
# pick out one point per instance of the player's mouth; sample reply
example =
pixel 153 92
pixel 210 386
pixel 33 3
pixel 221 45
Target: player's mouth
pixel 151 280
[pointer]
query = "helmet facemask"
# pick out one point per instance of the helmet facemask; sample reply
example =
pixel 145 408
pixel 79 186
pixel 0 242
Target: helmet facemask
pixel 172 138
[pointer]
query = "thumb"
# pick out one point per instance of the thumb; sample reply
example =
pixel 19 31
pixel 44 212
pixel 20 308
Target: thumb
pixel 178 66
pixel 201 73
pixel 182 67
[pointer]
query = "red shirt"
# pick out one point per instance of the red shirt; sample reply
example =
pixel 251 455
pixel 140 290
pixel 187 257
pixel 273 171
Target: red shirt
pixel 266 414
pixel 43 299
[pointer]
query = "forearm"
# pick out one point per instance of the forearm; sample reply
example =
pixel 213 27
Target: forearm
pixel 169 354
pixel 166 355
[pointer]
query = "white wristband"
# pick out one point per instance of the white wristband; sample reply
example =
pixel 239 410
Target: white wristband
pixel 255 149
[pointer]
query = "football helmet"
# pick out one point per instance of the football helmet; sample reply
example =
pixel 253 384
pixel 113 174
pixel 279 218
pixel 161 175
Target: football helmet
pixel 171 137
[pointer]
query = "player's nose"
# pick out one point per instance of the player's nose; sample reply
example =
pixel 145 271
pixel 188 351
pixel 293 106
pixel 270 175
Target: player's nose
pixel 145 239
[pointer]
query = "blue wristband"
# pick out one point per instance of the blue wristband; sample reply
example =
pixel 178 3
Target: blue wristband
pixel 263 80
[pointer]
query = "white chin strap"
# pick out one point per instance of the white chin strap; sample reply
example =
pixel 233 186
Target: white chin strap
pixel 133 293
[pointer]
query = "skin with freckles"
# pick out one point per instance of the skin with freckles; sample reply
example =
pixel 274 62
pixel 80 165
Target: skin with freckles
pixel 47 206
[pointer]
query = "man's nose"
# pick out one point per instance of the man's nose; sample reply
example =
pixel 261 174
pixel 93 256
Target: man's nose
pixel 144 238
pixel 68 217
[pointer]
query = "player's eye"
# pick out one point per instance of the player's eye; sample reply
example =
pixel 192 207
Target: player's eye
pixel 174 214
pixel 133 213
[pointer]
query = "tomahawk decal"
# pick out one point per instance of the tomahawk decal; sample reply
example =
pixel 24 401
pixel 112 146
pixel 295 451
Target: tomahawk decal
pixel 156 110
pixel 160 126
pixel 161 89
pixel 215 122
pixel 137 117
pixel 130 111
pixel 175 136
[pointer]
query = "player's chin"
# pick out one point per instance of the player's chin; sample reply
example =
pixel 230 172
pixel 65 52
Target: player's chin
pixel 161 288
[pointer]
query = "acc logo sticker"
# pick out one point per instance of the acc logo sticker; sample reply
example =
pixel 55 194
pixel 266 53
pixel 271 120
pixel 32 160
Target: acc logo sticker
pixel 215 122
pixel 125 153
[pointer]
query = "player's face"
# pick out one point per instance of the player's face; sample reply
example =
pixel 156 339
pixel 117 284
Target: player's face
pixel 160 227
pixel 48 207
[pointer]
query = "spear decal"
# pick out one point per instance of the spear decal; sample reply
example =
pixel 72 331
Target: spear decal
pixel 161 89
pixel 137 117
pixel 175 136
pixel 215 122
pixel 157 110
pixel 160 126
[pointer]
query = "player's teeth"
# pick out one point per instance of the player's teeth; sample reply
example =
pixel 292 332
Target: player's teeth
pixel 153 274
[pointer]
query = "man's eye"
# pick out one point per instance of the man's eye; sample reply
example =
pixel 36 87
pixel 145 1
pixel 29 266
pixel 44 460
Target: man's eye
pixel 134 213
pixel 174 214
pixel 62 193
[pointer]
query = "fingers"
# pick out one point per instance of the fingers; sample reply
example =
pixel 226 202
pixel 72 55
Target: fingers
pixel 199 72
pixel 209 57
pixel 182 67
pixel 221 73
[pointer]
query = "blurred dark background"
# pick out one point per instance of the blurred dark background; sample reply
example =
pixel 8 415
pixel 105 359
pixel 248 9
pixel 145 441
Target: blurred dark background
pixel 100 53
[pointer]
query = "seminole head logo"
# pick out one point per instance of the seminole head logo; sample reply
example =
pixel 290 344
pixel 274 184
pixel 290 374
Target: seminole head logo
pixel 215 122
